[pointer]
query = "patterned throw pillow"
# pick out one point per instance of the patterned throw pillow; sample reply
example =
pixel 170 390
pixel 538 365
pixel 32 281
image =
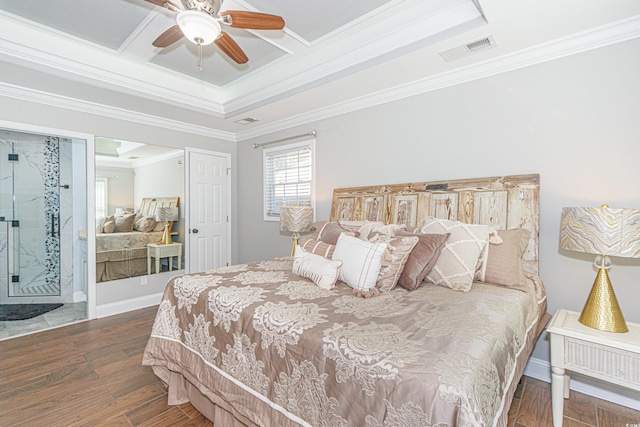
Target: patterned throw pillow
pixel 422 258
pixel 361 262
pixel 398 250
pixel 455 267
pixel 323 272
pixel 317 247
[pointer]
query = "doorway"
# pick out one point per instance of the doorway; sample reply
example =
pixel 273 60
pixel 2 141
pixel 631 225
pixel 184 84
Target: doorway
pixel 208 212
pixel 43 207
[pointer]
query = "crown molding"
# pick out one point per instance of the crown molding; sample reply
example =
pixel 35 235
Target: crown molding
pixel 613 33
pixel 60 101
pixel 616 32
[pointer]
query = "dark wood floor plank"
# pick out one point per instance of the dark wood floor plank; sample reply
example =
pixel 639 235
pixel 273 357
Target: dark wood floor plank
pixel 90 374
pixel 148 410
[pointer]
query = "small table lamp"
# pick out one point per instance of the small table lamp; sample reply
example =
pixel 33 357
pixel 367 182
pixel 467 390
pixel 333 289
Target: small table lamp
pixel 166 215
pixel 602 231
pixel 295 219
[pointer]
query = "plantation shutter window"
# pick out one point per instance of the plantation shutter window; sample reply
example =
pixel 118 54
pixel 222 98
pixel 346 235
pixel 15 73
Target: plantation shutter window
pixel 288 177
pixel 101 198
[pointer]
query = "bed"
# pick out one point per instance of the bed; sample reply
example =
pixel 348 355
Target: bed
pixel 254 344
pixel 124 254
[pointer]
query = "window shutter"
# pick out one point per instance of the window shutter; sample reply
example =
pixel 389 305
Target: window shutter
pixel 288 177
pixel 101 198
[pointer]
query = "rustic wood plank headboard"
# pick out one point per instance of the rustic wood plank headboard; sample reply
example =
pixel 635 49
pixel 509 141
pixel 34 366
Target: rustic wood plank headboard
pixel 150 204
pixel 503 203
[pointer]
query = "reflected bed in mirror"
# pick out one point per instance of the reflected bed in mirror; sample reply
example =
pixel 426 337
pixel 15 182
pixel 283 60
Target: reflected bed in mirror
pixel 133 180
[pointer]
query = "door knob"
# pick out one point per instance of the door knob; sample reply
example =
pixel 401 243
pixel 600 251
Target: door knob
pixel 195 231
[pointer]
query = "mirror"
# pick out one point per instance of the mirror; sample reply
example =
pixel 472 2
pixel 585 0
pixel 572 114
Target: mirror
pixel 139 231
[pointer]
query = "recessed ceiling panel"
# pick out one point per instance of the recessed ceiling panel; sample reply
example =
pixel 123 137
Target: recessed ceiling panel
pixel 218 68
pixel 105 22
pixel 312 20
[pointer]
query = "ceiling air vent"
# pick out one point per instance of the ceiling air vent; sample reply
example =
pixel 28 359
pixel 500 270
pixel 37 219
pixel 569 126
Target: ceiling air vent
pixel 468 49
pixel 246 121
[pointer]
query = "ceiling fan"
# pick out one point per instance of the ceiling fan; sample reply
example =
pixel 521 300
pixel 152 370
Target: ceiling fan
pixel 200 21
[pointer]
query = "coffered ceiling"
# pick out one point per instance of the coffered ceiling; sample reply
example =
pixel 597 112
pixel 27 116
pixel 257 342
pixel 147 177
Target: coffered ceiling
pixel 332 56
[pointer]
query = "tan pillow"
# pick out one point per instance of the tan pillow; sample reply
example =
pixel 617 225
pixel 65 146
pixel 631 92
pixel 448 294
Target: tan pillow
pixel 504 265
pixel 317 247
pixel 422 258
pixel 330 232
pixel 314 229
pixel 144 224
pixel 109 226
pixel 124 224
pixel 456 266
pixel 100 224
pixel 159 226
pixel 399 248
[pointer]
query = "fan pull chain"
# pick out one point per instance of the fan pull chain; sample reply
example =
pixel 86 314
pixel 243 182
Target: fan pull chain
pixel 199 41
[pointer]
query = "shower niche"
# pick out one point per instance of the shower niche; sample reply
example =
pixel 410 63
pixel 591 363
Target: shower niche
pixel 37 234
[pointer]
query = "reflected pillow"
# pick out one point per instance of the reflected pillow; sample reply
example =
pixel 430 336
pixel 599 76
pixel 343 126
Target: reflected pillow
pixel 144 224
pixel 109 226
pixel 322 271
pixel 124 223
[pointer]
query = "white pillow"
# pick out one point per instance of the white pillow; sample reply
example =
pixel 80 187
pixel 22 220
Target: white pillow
pixel 361 261
pixel 323 271
pixel 456 265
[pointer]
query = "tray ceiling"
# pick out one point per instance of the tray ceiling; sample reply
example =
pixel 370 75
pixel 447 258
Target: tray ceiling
pixel 330 53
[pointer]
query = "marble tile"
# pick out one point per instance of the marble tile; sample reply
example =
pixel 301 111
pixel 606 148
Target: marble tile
pixel 68 313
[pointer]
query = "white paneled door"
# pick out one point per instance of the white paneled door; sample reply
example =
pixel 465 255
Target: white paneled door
pixel 208 211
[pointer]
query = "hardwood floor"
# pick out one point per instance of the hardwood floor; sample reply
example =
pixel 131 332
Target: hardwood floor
pixel 89 374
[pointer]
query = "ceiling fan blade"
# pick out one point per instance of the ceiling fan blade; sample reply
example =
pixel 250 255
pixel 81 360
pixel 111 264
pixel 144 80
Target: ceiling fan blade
pixel 231 48
pixel 252 20
pixel 161 3
pixel 169 37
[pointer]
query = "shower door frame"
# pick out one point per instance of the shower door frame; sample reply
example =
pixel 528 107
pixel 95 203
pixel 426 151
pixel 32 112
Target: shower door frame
pixel 90 196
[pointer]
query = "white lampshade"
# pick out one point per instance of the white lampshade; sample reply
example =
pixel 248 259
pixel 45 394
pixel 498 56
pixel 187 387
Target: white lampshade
pixel 198 27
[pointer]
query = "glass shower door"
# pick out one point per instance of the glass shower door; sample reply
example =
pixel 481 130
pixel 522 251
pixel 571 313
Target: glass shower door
pixel 29 213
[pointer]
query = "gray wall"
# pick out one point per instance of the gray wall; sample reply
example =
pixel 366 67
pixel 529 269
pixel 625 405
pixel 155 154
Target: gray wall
pixel 575 121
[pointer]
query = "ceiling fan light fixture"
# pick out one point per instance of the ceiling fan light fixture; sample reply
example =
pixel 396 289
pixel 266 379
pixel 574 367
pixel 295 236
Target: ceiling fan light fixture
pixel 198 27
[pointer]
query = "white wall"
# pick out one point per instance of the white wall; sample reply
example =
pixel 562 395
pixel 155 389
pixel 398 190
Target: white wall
pixel 575 121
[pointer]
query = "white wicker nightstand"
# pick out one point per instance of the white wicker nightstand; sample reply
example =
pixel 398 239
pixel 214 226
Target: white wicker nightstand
pixel 163 251
pixel 609 356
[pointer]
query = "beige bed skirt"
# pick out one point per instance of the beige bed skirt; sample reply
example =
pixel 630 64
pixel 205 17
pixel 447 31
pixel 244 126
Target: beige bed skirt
pixel 120 264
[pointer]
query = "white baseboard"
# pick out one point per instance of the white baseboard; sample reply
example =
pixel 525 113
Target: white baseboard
pixel 541 370
pixel 110 309
pixel 79 297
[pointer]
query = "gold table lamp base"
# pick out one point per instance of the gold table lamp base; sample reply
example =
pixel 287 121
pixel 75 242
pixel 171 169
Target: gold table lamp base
pixel 166 236
pixel 602 310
